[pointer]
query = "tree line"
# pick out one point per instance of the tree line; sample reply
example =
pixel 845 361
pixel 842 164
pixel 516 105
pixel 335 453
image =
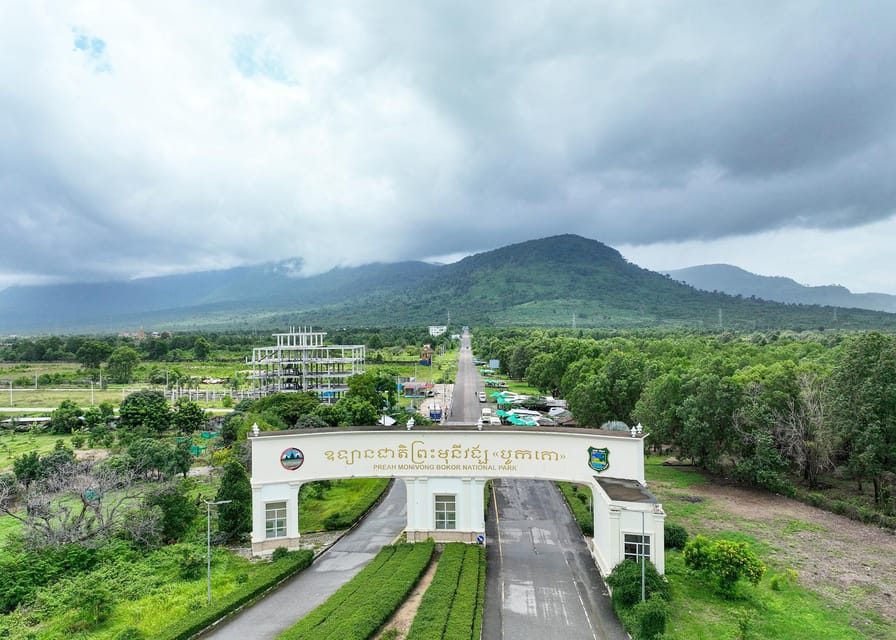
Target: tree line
pixel 765 409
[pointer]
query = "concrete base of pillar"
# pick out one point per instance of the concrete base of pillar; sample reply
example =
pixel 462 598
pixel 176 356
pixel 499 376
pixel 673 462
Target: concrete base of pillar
pixel 444 536
pixel 267 546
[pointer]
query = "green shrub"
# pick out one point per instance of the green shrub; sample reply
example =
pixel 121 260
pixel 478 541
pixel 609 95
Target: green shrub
pixel 724 562
pixel 451 607
pixel 335 521
pixel 279 553
pixel 625 581
pixel 696 553
pixel 651 618
pixel 192 563
pixel 130 633
pixel 780 580
pixel 674 536
pixel 94 606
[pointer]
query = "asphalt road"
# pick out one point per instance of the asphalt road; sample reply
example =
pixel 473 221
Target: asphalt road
pixel 541 581
pixel 465 406
pixel 279 610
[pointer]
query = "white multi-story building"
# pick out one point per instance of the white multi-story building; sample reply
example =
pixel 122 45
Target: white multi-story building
pixel 300 361
pixel 437 330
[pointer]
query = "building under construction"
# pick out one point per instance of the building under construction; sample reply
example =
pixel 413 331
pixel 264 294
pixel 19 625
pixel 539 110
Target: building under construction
pixel 300 361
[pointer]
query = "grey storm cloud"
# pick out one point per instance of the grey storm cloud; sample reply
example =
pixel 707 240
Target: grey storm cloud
pixel 150 139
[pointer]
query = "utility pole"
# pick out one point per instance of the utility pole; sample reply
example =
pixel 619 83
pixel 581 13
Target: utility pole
pixel 208 542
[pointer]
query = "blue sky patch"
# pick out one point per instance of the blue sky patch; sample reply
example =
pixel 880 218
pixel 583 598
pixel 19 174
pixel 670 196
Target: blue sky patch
pixel 94 49
pixel 255 60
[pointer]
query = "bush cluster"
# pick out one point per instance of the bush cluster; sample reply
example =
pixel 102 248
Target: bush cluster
pixel 648 618
pixel 363 604
pixel 625 581
pixel 674 536
pixel 724 563
pixel 26 572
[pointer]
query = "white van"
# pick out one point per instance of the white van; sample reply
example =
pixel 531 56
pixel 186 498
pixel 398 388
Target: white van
pixel 486 414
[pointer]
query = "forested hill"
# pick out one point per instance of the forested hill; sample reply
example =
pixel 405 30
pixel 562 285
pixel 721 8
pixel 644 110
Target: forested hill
pixel 736 281
pixel 557 281
pixel 568 279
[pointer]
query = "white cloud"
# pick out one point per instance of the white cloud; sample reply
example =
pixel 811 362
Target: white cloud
pixel 140 139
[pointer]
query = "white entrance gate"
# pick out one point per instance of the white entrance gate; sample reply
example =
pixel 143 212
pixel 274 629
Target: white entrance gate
pixel 445 471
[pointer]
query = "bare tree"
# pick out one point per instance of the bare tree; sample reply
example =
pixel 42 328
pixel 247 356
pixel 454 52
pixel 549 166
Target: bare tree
pixel 805 432
pixel 79 502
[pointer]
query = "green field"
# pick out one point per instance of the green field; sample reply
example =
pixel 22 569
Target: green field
pixel 14 444
pixel 775 609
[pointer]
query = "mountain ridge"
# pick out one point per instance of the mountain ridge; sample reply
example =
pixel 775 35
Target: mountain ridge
pixel 734 280
pixel 563 280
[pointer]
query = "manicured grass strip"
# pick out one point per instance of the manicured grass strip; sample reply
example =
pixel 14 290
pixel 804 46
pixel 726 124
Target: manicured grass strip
pixel 451 608
pixel 364 604
pixel 432 615
pixel 462 621
pixel 268 577
pixel 480 597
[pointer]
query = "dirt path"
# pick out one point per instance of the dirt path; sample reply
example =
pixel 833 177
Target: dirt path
pixel 404 616
pixel 847 561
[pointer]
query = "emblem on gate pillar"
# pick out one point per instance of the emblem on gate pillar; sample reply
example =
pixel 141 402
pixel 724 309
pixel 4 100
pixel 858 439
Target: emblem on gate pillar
pixel 292 458
pixel 599 459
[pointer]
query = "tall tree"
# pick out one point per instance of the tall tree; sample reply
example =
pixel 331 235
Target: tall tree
pixel 66 418
pixel 235 517
pixel 93 353
pixel 863 394
pixel 120 366
pixel 145 409
pixel 188 416
pixel 805 431
pixel 201 348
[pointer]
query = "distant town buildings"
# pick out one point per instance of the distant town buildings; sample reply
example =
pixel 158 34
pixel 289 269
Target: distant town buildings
pixel 437 330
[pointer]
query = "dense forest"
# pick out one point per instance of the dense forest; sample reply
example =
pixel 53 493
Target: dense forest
pixel 793 413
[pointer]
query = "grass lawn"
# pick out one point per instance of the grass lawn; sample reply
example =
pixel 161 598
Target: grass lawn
pixel 341 497
pixel 15 444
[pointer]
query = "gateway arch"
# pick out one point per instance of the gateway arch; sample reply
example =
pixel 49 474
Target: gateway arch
pixel 445 470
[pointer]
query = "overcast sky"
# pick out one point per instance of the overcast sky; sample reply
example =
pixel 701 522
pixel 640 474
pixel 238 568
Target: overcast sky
pixel 146 138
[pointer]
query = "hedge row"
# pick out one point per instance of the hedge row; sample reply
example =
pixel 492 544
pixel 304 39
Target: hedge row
pixel 851 511
pixel 480 598
pixel 264 580
pixel 364 604
pixel 462 620
pixel 451 608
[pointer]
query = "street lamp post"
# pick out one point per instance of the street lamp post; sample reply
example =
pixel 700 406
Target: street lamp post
pixel 641 553
pixel 643 560
pixel 208 543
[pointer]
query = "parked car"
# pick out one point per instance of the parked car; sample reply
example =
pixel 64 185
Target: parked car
pixel 482 396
